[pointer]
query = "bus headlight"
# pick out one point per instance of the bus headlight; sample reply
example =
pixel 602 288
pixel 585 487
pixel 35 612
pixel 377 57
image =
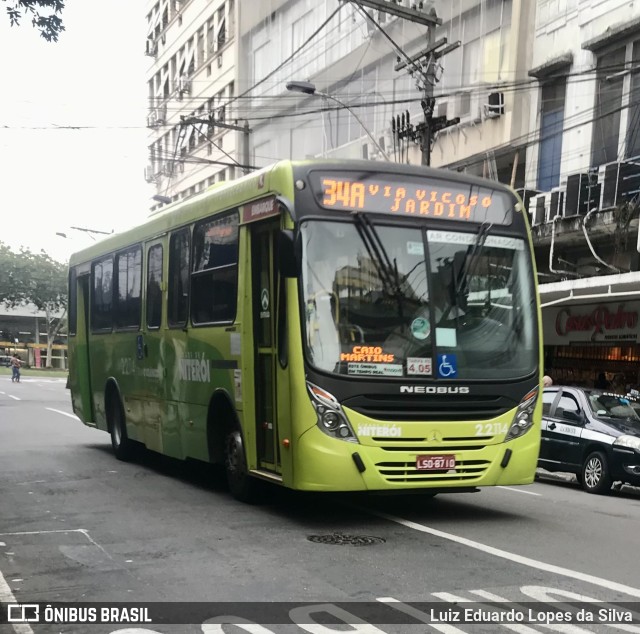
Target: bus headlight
pixel 331 419
pixel 523 419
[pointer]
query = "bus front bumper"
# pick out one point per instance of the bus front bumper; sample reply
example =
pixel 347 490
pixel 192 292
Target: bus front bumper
pixel 323 463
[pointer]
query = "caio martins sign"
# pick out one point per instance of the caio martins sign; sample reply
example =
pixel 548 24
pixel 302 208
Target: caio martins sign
pixel 592 323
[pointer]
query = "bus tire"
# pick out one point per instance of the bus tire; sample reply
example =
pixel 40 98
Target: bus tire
pixel 241 484
pixel 595 474
pixel 122 447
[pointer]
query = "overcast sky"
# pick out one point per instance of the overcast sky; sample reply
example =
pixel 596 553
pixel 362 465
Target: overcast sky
pixel 52 177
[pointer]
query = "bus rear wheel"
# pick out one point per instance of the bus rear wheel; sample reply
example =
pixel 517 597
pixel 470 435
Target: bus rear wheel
pixel 241 484
pixel 122 446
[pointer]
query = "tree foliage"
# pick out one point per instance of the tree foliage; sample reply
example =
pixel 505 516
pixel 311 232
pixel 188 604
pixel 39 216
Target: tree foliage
pixel 38 279
pixel 45 15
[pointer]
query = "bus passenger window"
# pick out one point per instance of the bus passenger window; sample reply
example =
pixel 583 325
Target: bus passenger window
pixel 178 307
pixel 215 270
pixel 154 289
pixel 102 294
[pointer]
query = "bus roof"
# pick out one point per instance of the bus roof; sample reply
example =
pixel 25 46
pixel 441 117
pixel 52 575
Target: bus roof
pixel 250 187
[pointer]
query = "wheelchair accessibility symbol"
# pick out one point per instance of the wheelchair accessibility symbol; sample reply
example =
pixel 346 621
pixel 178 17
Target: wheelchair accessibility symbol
pixel 447 366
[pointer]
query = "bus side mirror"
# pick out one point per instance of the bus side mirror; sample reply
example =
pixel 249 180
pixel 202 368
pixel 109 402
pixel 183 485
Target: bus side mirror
pixel 287 260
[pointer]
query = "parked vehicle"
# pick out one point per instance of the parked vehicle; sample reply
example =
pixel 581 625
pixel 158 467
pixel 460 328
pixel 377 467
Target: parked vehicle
pixel 591 433
pixel 5 361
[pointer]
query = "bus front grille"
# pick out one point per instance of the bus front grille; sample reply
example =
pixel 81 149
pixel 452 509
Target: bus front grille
pixel 407 472
pixel 392 408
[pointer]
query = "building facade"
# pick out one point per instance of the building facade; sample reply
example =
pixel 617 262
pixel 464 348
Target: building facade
pixel 583 174
pixel 23 331
pixel 539 95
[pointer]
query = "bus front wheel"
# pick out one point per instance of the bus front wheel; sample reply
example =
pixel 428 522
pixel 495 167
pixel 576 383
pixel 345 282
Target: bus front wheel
pixel 122 446
pixel 242 486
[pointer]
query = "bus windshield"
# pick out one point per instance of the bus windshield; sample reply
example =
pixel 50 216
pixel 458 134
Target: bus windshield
pixel 397 301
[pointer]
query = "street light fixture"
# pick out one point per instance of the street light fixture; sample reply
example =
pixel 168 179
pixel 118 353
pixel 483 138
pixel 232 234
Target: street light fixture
pixel 307 88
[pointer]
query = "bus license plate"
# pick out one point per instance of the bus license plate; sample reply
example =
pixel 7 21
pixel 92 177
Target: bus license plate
pixel 435 463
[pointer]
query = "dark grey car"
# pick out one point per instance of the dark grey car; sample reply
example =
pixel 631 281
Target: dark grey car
pixel 591 433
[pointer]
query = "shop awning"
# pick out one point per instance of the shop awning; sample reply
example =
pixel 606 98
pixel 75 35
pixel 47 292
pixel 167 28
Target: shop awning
pixel 597 289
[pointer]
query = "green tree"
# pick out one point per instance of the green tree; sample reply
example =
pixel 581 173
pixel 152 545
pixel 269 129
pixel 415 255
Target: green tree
pixel 38 279
pixel 45 15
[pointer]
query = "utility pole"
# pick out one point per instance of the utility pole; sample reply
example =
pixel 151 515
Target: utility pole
pixel 245 166
pixel 424 67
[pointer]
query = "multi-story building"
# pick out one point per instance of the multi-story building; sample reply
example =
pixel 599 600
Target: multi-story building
pixel 583 157
pixel 540 95
pixel 191 81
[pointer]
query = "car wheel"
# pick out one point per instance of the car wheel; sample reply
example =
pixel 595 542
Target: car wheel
pixel 122 447
pixel 242 486
pixel 595 474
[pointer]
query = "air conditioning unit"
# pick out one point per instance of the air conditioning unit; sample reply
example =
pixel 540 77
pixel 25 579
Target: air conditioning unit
pixel 167 168
pixel 527 195
pixel 583 193
pixel 152 48
pixel 556 203
pixel 184 85
pixel 459 106
pixel 538 209
pixel 494 106
pixel 440 109
pixel 157 117
pixel 150 174
pixel 620 182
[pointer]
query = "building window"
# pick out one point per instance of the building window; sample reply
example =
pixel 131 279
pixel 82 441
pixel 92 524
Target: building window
pixel 551 128
pixel 632 145
pixel 606 124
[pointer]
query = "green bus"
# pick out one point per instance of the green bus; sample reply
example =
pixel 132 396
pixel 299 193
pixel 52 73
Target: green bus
pixel 326 325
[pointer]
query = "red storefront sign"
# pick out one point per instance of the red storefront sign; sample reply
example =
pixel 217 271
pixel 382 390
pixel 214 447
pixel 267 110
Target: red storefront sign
pixel 604 322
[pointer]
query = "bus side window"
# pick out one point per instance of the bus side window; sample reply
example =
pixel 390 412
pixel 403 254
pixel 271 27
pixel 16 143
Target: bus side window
pixel 102 294
pixel 154 287
pixel 215 270
pixel 178 306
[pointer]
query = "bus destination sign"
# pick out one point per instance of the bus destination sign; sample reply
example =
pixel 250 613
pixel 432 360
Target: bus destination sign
pixel 406 195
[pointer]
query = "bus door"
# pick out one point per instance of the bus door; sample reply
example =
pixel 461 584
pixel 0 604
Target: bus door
pixel 150 365
pixel 270 378
pixel 83 404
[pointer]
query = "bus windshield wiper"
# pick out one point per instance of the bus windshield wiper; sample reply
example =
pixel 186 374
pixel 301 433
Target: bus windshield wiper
pixel 386 269
pixel 472 259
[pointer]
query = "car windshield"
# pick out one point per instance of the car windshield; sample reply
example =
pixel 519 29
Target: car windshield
pixel 372 295
pixel 613 406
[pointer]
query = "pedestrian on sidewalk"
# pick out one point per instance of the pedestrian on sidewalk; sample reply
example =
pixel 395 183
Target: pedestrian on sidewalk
pixel 15 368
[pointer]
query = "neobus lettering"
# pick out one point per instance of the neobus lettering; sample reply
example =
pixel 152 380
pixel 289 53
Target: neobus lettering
pixel 432 389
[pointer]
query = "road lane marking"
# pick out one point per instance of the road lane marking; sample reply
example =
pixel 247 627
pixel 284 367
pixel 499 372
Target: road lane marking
pixel 518 490
pixel 513 557
pixel 15 398
pixel 59 411
pixel 83 531
pixel 6 596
